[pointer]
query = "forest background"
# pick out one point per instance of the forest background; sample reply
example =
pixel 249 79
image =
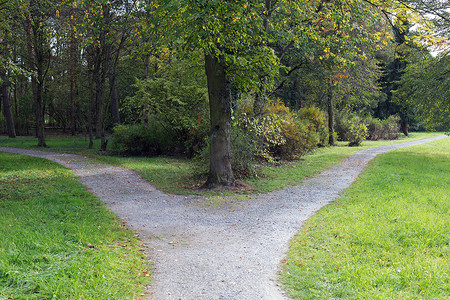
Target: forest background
pixel 233 83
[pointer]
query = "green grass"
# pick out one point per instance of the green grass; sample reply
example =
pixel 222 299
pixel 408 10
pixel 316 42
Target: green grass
pixel 69 144
pixel 387 238
pixel 175 175
pixel 58 241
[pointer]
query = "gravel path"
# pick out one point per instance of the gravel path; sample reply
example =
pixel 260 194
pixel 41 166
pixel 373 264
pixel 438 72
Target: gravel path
pixel 204 252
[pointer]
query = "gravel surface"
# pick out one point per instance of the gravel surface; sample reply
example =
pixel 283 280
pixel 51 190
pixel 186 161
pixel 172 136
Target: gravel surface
pixel 201 251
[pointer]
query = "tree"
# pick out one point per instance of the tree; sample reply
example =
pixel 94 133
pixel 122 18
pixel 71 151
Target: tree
pixel 5 62
pixel 225 30
pixel 425 87
pixel 104 26
pixel 244 42
pixel 37 16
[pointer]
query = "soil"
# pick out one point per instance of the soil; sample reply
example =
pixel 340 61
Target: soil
pixel 200 250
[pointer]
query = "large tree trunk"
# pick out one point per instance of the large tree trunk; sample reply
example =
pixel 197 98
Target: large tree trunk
pixel 7 109
pixel 220 172
pixel 330 104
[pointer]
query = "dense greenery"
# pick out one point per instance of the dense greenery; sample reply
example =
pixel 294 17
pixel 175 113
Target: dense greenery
pixel 386 238
pixel 175 74
pixel 58 241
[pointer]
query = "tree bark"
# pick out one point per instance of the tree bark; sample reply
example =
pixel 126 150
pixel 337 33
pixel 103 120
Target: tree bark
pixel 330 104
pixel 7 109
pixel 5 94
pixel 259 104
pixel 73 66
pixel 99 80
pixel 114 98
pixel 404 126
pixel 220 172
pixel 36 57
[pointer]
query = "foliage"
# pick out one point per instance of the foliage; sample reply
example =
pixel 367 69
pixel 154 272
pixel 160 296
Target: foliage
pixel 388 129
pixel 351 128
pixel 174 105
pixel 425 86
pixel 58 241
pixel 316 119
pixel 386 238
pixel 281 133
pixel 140 140
pixel 244 148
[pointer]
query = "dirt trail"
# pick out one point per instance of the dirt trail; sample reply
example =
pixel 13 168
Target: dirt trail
pixel 204 252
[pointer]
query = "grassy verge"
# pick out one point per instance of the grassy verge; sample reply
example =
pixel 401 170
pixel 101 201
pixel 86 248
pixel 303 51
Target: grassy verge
pixel 69 144
pixel 173 175
pixel 58 241
pixel 387 238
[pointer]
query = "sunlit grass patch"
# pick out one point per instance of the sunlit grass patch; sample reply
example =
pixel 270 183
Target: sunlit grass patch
pixel 387 238
pixel 57 240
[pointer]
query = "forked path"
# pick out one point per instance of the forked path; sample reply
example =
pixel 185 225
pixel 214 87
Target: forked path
pixel 205 252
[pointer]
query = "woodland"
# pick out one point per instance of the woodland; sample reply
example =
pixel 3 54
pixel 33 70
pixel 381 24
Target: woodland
pixel 230 83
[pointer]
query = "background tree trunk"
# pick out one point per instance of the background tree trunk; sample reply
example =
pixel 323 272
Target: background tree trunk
pixel 404 125
pixel 330 104
pixel 7 109
pixel 5 93
pixel 35 45
pixel 220 172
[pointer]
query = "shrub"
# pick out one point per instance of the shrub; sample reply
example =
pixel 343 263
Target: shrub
pixel 300 137
pixel 383 129
pixel 351 128
pixel 296 133
pixel 317 118
pixel 140 140
pixel 244 149
pixel 357 131
pixel 181 110
pixel 375 128
pixel 391 128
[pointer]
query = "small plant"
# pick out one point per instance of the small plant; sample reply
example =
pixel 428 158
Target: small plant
pixel 357 131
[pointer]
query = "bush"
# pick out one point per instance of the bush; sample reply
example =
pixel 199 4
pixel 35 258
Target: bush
pixel 383 130
pixel 244 149
pixel 317 118
pixel 140 140
pixel 281 133
pixel 391 128
pixel 178 104
pixel 351 128
pixel 357 131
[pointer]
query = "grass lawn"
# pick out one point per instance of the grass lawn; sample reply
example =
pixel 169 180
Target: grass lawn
pixel 58 241
pixel 386 238
pixel 175 175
